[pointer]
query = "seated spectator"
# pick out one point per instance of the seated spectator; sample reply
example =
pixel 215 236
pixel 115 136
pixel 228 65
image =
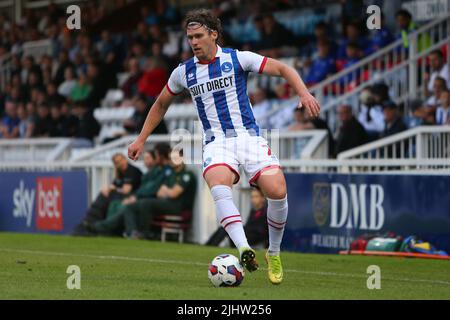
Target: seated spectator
pixel 159 169
pixel 322 66
pixel 393 120
pixel 81 90
pixel 443 111
pixel 88 127
pixel 427 111
pixel 353 56
pixel 256 226
pixel 321 34
pixel 305 122
pixel 371 114
pixel 438 69
pixel 53 97
pixel 273 37
pixel 63 125
pixel 380 38
pixel 261 106
pixel 127 178
pixel 153 80
pixel 136 122
pixel 43 123
pixel 353 36
pixel 99 83
pixel 26 123
pixel 9 125
pixel 351 133
pixel 130 86
pixel 66 87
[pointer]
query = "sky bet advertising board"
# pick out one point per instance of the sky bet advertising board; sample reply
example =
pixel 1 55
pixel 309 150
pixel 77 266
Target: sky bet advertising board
pixel 46 202
pixel 327 211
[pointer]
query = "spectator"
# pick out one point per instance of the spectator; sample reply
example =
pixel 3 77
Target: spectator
pixel 99 83
pixel 63 64
pixel 88 127
pixel 443 111
pixel 322 66
pixel 351 133
pixel 53 97
pixel 9 125
pixel 66 87
pixel 304 122
pixel 353 55
pixel 438 69
pixel 81 90
pixel 176 194
pixel 130 86
pixel 273 37
pixel 255 227
pixel 26 124
pixel 371 114
pixel 43 123
pixel 62 125
pixel 159 168
pixel 426 112
pixel 406 25
pixel 127 178
pixel 353 36
pixel 153 80
pixel 136 122
pixel 261 106
pixel 393 120
pixel 380 38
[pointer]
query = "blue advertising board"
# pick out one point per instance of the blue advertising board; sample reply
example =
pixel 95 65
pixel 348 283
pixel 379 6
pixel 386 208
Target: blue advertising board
pixel 48 202
pixel 327 211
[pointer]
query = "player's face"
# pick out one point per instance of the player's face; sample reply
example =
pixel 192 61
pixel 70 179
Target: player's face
pixel 202 42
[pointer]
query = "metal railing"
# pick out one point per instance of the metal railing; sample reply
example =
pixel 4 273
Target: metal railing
pixel 424 146
pixel 35 150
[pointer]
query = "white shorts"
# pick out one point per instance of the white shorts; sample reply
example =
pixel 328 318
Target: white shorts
pixel 250 152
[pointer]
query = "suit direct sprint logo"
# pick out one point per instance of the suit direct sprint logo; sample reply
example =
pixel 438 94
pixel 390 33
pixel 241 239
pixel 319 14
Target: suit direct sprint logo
pixel 45 200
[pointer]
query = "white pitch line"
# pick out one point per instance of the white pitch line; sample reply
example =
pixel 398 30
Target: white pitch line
pixel 319 273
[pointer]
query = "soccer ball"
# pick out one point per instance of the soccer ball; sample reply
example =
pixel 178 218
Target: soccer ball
pixel 226 271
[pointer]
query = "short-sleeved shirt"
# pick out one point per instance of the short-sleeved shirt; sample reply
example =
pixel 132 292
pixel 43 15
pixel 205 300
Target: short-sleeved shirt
pixel 131 175
pixel 219 91
pixel 187 180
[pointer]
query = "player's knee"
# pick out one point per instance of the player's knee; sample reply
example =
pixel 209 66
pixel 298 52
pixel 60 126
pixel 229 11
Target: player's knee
pixel 276 192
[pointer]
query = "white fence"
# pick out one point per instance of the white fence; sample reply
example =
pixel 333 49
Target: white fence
pixel 37 149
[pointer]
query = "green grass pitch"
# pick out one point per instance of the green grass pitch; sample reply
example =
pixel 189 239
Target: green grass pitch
pixel 34 266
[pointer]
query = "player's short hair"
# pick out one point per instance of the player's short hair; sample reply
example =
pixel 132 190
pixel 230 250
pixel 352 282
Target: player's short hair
pixel 206 18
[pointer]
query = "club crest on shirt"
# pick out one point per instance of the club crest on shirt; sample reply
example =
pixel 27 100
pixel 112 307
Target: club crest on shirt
pixel 226 67
pixel 191 76
pixel 207 162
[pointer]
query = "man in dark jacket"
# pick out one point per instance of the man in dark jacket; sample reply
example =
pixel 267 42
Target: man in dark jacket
pixel 351 133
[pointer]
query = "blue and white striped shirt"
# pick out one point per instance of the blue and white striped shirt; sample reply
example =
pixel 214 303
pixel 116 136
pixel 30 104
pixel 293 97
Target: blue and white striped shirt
pixel 219 91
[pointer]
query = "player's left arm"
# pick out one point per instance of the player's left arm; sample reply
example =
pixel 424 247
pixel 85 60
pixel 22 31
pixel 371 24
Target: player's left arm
pixel 277 68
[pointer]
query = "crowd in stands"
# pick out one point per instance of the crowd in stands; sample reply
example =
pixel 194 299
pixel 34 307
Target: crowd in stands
pixel 55 95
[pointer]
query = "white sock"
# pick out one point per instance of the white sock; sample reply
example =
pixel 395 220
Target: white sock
pixel 229 216
pixel 277 211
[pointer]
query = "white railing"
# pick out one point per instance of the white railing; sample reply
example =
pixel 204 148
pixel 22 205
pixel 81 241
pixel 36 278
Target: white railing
pixel 425 145
pixel 37 149
pixel 307 144
pixel 404 66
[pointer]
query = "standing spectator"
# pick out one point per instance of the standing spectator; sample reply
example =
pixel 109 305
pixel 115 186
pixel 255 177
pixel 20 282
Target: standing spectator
pixel 371 114
pixel 406 25
pixel 438 69
pixel 255 227
pixel 351 133
pixel 443 111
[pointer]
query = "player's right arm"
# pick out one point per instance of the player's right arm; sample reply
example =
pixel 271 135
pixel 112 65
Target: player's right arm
pixel 154 117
